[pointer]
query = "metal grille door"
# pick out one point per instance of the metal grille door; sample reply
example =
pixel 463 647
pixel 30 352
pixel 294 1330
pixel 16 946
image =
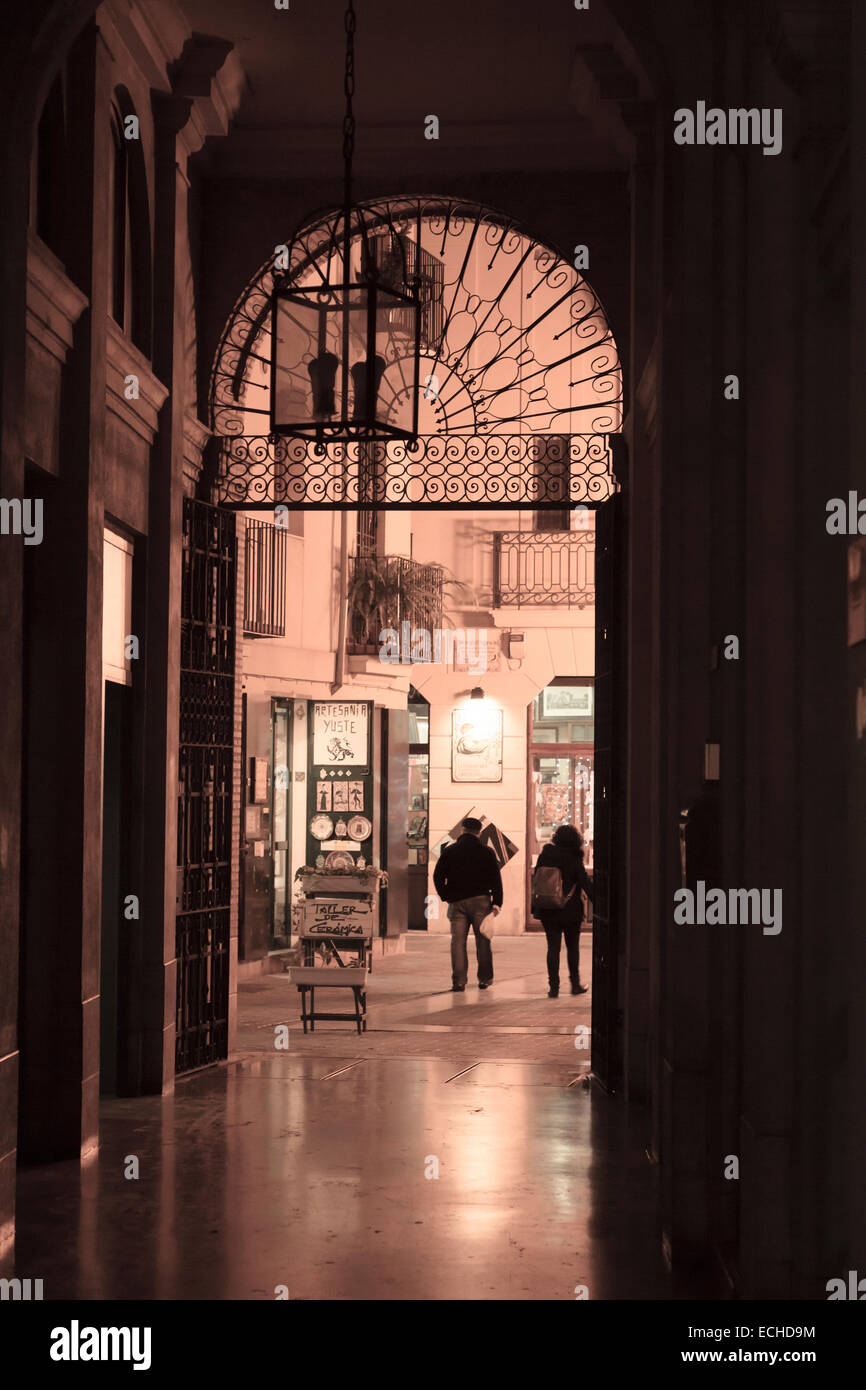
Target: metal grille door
pixel 204 813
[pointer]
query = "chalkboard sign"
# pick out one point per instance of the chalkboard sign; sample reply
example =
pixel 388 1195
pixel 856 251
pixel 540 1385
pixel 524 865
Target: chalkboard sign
pixel 336 917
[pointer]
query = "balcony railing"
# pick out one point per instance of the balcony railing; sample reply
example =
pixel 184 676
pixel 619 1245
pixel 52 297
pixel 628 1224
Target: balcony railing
pixel 543 569
pixel 265 580
pixel 387 591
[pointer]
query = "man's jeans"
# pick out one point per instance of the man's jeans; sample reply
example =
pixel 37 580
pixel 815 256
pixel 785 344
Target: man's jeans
pixel 466 913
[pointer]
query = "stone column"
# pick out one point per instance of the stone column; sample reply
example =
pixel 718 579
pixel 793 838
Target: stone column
pixel 849 1025
pixel 811 47
pixel 643 380
pixel 732 390
pixel 162 619
pixel 688 457
pixel 61 870
pixel 772 675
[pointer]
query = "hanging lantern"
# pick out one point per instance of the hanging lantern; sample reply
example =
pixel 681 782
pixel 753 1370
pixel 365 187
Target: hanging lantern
pixel 346 352
pixel 346 334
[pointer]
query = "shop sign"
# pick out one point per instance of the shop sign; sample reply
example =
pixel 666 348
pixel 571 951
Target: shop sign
pixel 476 744
pixel 337 917
pixel 341 733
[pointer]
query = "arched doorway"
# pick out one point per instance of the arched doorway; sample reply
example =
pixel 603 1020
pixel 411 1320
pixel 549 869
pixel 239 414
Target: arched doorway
pixel 524 416
pixel 522 385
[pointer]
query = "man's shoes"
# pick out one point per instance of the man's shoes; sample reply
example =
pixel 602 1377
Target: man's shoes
pixel 484 984
pixel 457 989
pixel 578 989
pixel 553 994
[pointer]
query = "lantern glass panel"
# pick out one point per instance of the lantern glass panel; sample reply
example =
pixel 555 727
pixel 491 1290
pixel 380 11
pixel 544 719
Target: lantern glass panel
pixel 344 361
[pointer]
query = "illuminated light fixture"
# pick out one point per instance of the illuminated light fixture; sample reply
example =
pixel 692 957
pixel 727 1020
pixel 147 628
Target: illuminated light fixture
pixel 346 315
pixel 482 714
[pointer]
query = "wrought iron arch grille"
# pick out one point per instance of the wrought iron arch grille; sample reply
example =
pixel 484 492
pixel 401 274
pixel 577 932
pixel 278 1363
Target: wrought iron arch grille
pixel 521 379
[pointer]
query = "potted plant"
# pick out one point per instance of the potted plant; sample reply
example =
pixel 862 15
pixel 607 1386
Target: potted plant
pixel 366 880
pixel 387 590
pixel 374 596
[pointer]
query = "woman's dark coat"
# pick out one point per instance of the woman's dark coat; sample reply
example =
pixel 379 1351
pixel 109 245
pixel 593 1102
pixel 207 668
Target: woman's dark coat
pixel 570 864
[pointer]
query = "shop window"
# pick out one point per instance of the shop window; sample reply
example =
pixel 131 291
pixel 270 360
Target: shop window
pixel 281 888
pixel 418 827
pixel 419 722
pixel 564 712
pixel 561 767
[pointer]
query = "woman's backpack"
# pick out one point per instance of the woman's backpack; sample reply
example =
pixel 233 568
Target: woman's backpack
pixel 548 894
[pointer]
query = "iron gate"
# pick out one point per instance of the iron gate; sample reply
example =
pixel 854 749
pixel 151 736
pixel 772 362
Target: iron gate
pixel 204 812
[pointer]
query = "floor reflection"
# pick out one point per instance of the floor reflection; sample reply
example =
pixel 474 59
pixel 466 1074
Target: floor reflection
pixel 347 1169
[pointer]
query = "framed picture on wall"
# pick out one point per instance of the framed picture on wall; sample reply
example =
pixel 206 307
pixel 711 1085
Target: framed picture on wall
pixel 569 701
pixel 417 825
pixel 476 745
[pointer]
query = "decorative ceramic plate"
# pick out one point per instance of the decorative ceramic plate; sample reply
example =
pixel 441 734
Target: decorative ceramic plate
pixel 360 828
pixel 321 827
pixel 338 859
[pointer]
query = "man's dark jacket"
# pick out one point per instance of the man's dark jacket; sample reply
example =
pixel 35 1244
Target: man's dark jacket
pixel 468 869
pixel 574 875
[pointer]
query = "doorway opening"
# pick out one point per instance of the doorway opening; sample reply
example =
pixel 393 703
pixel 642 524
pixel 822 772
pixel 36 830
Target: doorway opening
pixel 115 878
pixel 418 824
pixel 561 782
pixel 515 440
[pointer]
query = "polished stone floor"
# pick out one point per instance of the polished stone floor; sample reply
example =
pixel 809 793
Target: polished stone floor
pixel 452 1151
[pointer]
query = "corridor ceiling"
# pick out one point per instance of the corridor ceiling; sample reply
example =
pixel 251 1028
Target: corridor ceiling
pixel 500 75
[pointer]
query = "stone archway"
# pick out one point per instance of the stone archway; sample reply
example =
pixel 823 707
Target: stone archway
pixel 527 414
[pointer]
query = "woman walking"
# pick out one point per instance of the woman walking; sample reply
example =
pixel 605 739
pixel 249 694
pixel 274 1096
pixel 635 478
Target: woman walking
pixel 565 853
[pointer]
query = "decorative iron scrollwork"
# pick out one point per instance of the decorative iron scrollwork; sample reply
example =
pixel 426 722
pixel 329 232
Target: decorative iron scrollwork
pixel 517 349
pixel 434 471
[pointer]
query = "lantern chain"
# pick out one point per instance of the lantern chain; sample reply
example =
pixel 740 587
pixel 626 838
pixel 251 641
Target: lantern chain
pixel 349 91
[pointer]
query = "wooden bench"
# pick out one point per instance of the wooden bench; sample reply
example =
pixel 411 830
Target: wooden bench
pixel 311 977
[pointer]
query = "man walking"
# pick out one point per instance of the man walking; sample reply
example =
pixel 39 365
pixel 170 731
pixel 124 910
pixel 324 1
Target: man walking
pixel 467 878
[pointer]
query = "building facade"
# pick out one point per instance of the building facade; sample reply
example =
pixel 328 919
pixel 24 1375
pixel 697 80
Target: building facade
pixel 139 196
pixel 481 602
